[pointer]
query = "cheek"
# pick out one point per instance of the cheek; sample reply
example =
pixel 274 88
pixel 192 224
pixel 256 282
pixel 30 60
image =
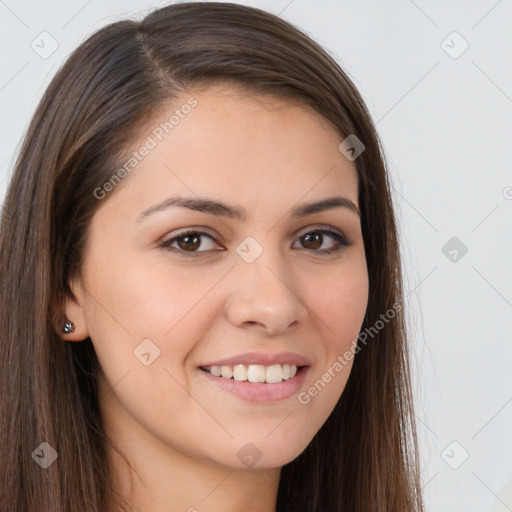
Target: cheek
pixel 341 308
pixel 163 299
pixel 340 303
pixel 134 300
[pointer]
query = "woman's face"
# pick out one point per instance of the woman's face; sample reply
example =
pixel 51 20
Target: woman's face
pixel 253 284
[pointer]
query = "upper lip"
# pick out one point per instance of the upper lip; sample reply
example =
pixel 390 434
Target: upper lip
pixel 266 359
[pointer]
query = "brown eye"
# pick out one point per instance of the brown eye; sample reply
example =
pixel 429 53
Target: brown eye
pixel 312 241
pixel 189 242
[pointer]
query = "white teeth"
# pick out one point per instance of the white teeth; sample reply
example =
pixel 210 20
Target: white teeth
pixel 215 370
pixel 255 372
pixel 274 374
pixel 227 372
pixel 239 372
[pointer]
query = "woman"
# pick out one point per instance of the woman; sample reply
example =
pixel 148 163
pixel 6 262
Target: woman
pixel 202 298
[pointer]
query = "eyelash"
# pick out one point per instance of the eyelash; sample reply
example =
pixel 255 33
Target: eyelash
pixel 341 241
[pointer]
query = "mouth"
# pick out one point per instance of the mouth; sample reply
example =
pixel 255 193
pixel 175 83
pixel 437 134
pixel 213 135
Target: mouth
pixel 254 373
pixel 263 377
pixel 256 383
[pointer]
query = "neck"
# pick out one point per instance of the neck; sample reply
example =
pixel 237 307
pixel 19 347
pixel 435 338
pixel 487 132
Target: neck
pixel 160 483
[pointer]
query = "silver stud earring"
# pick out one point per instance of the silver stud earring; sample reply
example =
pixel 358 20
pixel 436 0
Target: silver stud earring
pixel 68 327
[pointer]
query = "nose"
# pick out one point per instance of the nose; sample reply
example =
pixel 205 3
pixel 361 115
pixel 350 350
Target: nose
pixel 265 297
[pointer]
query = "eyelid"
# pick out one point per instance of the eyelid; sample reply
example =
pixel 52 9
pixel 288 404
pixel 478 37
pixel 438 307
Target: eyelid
pixel 321 227
pixel 193 229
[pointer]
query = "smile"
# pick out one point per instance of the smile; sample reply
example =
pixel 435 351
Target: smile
pixel 272 374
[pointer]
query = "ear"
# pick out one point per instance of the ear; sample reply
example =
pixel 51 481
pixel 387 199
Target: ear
pixel 71 309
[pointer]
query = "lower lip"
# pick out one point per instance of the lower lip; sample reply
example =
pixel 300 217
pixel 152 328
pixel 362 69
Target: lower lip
pixel 261 391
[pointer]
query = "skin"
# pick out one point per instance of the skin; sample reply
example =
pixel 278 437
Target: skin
pixel 181 432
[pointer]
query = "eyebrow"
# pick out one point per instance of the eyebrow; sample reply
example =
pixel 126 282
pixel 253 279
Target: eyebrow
pixel 219 208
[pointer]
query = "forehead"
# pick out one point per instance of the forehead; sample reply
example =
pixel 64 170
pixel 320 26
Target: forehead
pixel 233 145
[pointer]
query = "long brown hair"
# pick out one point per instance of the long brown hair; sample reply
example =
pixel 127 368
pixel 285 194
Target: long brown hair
pixel 364 458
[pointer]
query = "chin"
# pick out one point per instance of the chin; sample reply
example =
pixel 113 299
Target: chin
pixel 266 453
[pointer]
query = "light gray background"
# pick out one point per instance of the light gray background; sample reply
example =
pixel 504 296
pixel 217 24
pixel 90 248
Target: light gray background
pixel 446 128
